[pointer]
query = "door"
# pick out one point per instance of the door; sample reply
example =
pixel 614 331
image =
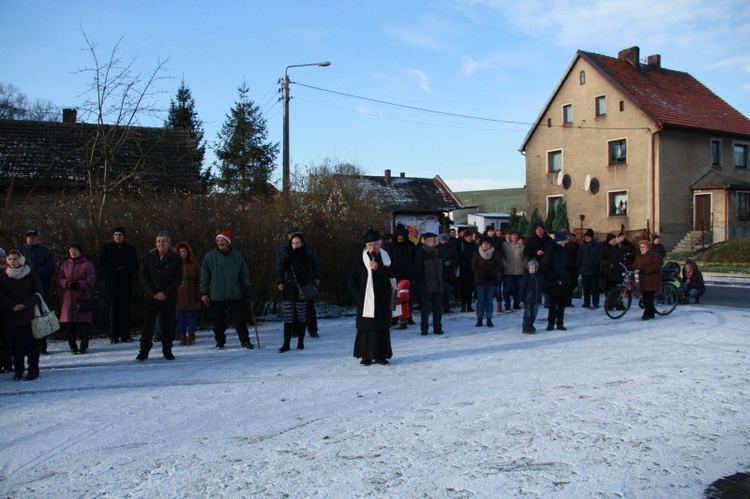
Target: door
pixel 702 212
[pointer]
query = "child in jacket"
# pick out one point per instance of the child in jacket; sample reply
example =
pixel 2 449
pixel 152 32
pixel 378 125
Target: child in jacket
pixel 531 295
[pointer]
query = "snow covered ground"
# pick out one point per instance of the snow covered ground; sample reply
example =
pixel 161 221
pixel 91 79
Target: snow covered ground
pixel 608 408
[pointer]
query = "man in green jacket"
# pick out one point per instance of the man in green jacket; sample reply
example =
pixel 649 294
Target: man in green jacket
pixel 225 285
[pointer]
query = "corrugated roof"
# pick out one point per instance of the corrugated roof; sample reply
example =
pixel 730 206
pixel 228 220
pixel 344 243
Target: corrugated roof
pixel 53 154
pixel 670 97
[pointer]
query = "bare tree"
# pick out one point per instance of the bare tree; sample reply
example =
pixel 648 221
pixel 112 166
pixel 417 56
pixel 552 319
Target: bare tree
pixel 118 97
pixel 14 105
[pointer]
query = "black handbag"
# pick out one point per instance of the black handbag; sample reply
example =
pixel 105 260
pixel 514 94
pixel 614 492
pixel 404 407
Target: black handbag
pixel 87 304
pixel 306 292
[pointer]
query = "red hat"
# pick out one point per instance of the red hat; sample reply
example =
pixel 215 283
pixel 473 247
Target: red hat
pixel 225 234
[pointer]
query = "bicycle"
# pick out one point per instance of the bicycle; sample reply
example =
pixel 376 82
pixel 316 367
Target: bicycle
pixel 618 300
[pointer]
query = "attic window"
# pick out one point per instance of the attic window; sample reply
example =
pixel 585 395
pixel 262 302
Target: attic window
pixel 601 106
pixel 622 105
pixel 567 112
pixel 582 77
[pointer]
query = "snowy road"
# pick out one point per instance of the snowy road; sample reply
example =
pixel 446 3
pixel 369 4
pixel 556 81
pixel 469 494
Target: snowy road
pixel 607 409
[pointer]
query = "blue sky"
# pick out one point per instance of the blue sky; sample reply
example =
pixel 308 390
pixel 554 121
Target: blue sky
pixel 491 59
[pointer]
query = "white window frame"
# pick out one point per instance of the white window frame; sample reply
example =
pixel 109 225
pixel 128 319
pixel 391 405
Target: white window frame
pixel 715 161
pixel 564 120
pixel 597 100
pixel 610 162
pixel 610 204
pixel 746 147
pixel 549 166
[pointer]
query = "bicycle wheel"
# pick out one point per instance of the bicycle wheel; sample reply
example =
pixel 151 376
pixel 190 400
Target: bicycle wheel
pixel 666 299
pixel 617 302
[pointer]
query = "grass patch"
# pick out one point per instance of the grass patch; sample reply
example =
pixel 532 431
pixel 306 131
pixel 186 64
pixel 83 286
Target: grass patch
pixel 729 257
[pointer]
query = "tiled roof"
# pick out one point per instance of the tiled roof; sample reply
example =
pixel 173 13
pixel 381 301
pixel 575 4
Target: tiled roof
pixel 54 155
pixel 410 194
pixel 671 98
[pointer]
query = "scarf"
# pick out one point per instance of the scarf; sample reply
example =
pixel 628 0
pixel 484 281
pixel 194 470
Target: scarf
pixel 369 309
pixel 486 254
pixel 18 273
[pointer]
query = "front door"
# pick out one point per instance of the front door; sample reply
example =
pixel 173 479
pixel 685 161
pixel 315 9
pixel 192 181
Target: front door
pixel 702 212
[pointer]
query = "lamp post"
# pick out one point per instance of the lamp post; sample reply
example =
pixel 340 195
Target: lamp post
pixel 582 217
pixel 285 98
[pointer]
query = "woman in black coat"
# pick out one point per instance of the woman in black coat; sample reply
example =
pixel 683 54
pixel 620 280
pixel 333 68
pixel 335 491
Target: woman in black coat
pixel 295 267
pixel 370 283
pixel 19 286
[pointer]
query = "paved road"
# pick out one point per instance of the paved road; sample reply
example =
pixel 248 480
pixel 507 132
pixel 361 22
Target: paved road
pixel 731 296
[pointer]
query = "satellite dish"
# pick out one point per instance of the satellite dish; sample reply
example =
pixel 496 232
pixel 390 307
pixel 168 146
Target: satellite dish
pixel 594 186
pixel 566 181
pixel 587 183
pixel 560 178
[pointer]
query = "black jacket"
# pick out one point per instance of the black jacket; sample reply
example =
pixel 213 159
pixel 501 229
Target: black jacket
pixel 357 283
pixel 553 268
pixel 428 271
pixel 588 258
pixel 300 260
pixel 118 263
pixel 161 274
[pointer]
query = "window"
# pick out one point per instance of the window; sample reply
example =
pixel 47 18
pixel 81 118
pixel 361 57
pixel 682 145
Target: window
pixel 618 204
pixel 567 114
pixel 622 105
pixel 617 152
pixel 715 152
pixel 740 155
pixel 601 106
pixel 743 204
pixel 553 202
pixel 582 77
pixel 554 161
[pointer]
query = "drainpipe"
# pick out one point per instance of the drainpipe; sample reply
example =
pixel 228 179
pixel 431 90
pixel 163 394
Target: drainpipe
pixel 726 214
pixel 652 176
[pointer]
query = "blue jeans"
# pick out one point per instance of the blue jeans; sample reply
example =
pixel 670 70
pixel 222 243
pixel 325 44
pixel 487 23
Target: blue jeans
pixel 511 287
pixel 432 301
pixel 529 313
pixel 186 321
pixel 485 300
pixel 447 291
pixel 690 292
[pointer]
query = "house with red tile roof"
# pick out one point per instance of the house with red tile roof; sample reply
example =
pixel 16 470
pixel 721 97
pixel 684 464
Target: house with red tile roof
pixel 629 144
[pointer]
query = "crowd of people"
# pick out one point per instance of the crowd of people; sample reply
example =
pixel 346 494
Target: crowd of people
pixel 494 272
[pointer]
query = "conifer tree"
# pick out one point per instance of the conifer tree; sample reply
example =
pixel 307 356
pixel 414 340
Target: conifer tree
pixel 535 218
pixel 182 114
pixel 549 222
pixel 245 157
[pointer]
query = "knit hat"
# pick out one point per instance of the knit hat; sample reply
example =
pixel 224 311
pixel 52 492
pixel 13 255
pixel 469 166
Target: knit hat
pixel 444 237
pixel 371 236
pixel 119 229
pixel 609 237
pixel 589 233
pixel 293 230
pixel 531 262
pixel 76 245
pixel 225 234
pixel 538 224
pixel 561 236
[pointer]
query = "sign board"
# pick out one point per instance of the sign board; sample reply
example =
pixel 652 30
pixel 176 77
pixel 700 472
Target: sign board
pixel 418 224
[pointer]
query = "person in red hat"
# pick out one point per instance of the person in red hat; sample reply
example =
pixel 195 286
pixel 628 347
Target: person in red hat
pixel 225 286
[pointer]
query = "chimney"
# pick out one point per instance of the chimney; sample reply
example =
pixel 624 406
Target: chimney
pixel 402 175
pixel 631 55
pixel 387 177
pixel 654 61
pixel 70 115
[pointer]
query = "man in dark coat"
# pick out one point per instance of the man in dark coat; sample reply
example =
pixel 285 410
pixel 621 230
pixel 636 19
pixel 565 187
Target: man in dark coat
pixel 571 252
pixel 535 245
pixel 588 265
pixel 610 266
pixel 370 282
pixel 466 276
pixel 450 263
pixel 554 271
pixel 401 251
pixel 42 261
pixel 118 262
pixel 160 275
pixel 429 281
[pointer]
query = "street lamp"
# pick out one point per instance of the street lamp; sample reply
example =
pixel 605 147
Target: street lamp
pixel 285 98
pixel 583 217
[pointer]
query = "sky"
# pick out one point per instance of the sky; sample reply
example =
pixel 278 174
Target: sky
pixel 608 408
pixel 479 72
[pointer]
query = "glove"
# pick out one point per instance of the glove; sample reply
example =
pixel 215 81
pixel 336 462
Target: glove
pixel 521 304
pixel 74 285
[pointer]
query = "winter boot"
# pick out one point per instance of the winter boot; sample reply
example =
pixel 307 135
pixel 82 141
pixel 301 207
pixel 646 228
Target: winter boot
pixel 191 338
pixel 183 338
pixel 697 300
pixel 287 338
pixel 301 340
pixel 499 307
pixel 489 323
pixel 401 326
pixel 479 322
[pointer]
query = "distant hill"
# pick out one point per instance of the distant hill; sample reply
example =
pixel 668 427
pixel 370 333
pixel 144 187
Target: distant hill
pixel 495 200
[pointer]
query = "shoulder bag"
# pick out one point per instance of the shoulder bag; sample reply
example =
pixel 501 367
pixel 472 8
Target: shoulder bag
pixel 45 321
